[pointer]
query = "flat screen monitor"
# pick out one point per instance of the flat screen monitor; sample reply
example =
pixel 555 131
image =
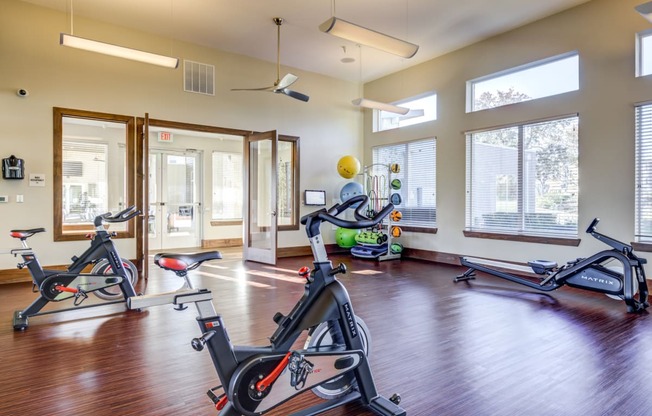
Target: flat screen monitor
pixel 315 197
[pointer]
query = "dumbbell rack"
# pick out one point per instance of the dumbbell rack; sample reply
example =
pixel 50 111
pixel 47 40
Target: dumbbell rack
pixel 378 197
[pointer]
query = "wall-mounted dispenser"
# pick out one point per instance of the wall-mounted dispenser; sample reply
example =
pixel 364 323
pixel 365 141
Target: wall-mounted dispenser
pixel 13 168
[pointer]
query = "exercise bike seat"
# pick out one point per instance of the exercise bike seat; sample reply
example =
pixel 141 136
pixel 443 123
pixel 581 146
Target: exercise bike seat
pixel 179 262
pixel 24 234
pixel 542 266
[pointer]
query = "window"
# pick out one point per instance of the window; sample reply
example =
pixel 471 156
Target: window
pixel 422 109
pixel 85 181
pixel 288 179
pixel 417 161
pixel 523 179
pixel 227 186
pixel 643 173
pixel 92 156
pixel 527 82
pixel 644 53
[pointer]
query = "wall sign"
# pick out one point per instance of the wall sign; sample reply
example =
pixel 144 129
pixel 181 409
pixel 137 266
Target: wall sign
pixel 37 179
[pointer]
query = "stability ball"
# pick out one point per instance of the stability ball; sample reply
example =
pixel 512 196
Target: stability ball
pixel 345 237
pixel 348 167
pixel 350 190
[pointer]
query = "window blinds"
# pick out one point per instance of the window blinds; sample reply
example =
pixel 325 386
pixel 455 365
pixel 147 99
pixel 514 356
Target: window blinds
pixel 227 186
pixel 524 179
pixel 644 173
pixel 417 161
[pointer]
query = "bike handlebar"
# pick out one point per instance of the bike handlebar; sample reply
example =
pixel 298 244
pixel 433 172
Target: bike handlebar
pixel 313 220
pixel 122 216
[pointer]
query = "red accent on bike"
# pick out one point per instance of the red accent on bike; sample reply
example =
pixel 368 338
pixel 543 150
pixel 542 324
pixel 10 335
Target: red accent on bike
pixel 304 271
pixel 221 403
pixel 16 234
pixel 66 289
pixel 172 264
pixel 267 381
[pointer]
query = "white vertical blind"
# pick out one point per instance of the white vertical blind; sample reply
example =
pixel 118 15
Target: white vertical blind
pixel 227 186
pixel 417 161
pixel 85 180
pixel 644 173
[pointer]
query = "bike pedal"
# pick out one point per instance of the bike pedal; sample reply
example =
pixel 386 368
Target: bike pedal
pixel 214 397
pixel 278 317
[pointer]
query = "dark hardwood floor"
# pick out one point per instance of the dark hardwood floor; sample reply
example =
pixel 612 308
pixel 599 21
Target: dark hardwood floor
pixel 489 347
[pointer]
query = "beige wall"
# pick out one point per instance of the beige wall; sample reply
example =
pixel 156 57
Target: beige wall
pixel 31 58
pixel 603 31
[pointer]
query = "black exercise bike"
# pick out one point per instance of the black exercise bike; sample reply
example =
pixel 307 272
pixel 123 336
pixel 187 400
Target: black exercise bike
pixel 333 362
pixel 595 273
pixel 111 278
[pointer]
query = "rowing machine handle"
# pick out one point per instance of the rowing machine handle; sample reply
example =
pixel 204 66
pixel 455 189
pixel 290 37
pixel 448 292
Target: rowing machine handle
pixel 313 220
pixel 594 223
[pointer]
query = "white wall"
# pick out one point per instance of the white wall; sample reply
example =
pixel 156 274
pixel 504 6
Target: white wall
pixel 603 31
pixel 55 76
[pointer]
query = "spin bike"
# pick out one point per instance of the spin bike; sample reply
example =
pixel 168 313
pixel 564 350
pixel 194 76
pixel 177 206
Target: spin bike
pixel 333 363
pixel 112 278
pixel 594 273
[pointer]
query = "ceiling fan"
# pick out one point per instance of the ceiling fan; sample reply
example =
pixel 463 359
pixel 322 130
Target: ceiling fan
pixel 281 85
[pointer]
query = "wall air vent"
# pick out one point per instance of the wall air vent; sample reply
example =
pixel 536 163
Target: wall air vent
pixel 198 77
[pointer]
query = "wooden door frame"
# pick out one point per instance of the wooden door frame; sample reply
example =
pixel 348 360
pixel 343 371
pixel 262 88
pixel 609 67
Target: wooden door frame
pixel 142 174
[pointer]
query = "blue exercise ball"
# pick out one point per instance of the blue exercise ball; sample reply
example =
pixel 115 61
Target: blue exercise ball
pixel 350 190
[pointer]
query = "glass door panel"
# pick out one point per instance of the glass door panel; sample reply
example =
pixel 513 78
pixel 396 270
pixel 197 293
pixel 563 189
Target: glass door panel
pixel 261 223
pixel 174 200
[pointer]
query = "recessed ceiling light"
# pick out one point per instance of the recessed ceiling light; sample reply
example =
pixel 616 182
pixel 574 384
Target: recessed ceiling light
pixel 347 60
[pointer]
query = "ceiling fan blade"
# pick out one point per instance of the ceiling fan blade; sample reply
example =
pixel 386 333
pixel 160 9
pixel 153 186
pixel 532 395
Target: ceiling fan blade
pixel 294 94
pixel 272 88
pixel 281 85
pixel 286 81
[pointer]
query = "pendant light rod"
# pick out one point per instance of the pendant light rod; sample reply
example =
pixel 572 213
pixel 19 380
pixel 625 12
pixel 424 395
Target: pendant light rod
pixel 90 45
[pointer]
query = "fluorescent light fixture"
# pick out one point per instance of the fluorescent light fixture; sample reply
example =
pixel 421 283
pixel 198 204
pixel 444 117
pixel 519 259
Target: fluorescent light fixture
pixel 363 102
pixel 645 10
pixel 118 51
pixel 411 114
pixel 362 35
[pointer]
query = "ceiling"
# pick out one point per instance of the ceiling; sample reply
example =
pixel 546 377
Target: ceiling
pixel 246 27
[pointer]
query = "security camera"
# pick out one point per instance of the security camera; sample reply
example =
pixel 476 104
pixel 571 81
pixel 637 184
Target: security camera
pixel 22 93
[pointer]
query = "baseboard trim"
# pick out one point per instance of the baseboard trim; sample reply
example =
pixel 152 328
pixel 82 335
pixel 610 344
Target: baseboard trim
pixel 298 251
pixel 431 256
pixel 21 275
pixel 219 243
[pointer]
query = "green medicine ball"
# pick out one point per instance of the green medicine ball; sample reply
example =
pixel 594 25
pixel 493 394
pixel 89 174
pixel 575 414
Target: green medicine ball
pixel 396 248
pixel 395 184
pixel 345 237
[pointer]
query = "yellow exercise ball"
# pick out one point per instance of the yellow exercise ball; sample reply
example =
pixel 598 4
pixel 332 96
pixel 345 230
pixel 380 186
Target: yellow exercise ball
pixel 348 167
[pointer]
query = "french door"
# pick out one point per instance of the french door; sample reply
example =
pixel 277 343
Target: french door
pixel 175 207
pixel 260 211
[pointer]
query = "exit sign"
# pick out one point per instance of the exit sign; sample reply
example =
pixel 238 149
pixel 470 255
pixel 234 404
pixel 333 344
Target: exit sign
pixel 165 136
